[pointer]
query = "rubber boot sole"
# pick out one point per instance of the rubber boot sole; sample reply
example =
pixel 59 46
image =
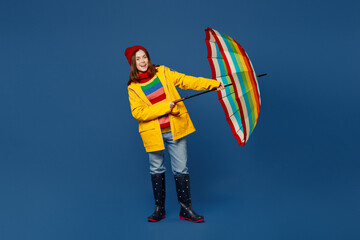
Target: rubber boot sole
pixel 188 219
pixel 153 220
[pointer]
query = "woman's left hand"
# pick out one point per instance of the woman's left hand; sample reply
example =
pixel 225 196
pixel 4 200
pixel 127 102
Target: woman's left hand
pixel 221 87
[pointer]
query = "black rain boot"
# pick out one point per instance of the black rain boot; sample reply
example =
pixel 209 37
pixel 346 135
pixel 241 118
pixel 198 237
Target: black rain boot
pixel 183 193
pixel 158 183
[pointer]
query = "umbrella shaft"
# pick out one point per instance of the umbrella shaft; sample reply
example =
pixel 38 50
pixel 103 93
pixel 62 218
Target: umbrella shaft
pixel 195 95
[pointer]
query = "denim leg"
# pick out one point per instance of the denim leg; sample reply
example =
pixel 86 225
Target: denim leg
pixel 178 154
pixel 156 160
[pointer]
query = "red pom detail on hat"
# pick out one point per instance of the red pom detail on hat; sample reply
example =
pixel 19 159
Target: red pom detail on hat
pixel 130 51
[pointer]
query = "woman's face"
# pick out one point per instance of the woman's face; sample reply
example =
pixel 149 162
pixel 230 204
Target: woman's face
pixel 141 61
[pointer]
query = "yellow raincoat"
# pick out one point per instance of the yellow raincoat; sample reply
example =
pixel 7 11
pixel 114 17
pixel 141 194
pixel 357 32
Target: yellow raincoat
pixel 147 114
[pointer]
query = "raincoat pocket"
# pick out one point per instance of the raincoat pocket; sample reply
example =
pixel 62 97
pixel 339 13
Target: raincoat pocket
pixel 145 126
pixel 151 135
pixel 181 122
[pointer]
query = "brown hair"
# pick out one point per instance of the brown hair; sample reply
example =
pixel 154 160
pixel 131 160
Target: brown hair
pixel 134 77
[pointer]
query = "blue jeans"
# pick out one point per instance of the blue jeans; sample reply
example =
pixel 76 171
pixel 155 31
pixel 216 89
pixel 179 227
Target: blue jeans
pixel 178 155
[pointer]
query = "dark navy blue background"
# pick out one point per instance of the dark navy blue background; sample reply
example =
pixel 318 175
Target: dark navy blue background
pixel 72 165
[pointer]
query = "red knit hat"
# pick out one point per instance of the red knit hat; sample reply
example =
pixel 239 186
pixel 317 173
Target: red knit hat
pixel 130 51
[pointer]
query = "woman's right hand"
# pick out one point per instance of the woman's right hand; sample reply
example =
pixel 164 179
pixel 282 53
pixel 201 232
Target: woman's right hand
pixel 172 105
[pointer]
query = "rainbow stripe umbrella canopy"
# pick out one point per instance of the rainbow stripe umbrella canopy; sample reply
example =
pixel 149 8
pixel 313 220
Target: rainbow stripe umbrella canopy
pixel 231 65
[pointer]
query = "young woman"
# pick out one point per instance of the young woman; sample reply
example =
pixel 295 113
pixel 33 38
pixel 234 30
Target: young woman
pixel 163 121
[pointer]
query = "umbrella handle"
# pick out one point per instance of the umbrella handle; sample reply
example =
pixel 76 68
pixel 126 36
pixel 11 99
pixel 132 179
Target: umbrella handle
pixel 174 113
pixel 179 100
pixel 175 102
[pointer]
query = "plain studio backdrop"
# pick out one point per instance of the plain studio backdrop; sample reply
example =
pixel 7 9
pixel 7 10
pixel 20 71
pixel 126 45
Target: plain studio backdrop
pixel 72 164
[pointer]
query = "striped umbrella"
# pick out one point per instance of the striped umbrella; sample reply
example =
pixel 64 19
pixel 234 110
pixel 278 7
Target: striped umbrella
pixel 241 100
